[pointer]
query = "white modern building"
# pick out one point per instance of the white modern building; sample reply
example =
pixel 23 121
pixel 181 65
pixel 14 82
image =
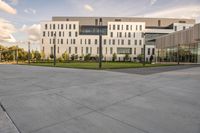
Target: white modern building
pixel 80 35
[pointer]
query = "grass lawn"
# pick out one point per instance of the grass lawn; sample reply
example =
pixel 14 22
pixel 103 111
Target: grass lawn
pixel 94 65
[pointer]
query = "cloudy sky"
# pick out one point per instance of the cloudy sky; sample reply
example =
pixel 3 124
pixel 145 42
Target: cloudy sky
pixel 20 19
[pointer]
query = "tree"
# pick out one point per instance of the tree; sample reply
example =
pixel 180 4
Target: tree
pixel 140 57
pixel 114 57
pixel 65 56
pixel 37 55
pixel 126 57
pixel 42 55
pixel 87 57
pixel 51 56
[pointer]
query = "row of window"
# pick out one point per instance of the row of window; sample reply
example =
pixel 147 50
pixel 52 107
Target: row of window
pixel 60 34
pixel 60 26
pixel 126 34
pixel 126 27
pixel 89 41
pixel 89 50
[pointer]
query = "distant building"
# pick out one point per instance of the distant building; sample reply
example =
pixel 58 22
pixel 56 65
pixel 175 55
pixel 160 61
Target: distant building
pixel 182 46
pixel 79 35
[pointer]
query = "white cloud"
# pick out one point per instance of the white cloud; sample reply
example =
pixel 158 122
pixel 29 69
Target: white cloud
pixel 30 11
pixel 88 8
pixel 6 30
pixel 152 2
pixel 32 31
pixel 177 12
pixel 7 8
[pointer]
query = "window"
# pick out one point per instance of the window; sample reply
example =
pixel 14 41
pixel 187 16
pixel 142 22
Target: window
pixel 129 34
pixel 183 27
pixel 61 41
pixel 67 41
pixel 111 34
pixel 109 42
pixel 122 42
pixel 74 26
pixel 43 33
pixel 48 33
pixel 74 41
pixel 140 27
pixel 120 34
pixel 134 34
pixel 95 41
pixel 50 26
pixel 136 27
pixel 70 34
pixel 81 41
pixel 66 26
pixel 153 51
pixel 140 42
pixel 62 26
pixel 129 42
pixel 70 26
pixel 127 27
pixel 76 50
pixel 52 33
pixel 76 34
pixel 124 50
pixel 135 42
pixel 58 41
pixel 54 26
pixel 42 41
pixel 122 27
pixel 63 33
pixel 87 50
pixel 113 42
pixel 135 51
pixel 49 41
pixel 89 41
pixel 59 33
pixel 58 26
pixel 149 51
pixel 104 41
pixel 113 27
pixel 46 26
pixel 58 50
pixel 118 27
pixel 111 50
pixel 70 50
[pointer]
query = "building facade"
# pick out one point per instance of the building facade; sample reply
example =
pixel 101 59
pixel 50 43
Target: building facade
pixel 80 35
pixel 181 46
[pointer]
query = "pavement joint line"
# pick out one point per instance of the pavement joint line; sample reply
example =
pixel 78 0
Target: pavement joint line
pixel 36 130
pixel 8 116
pixel 97 110
pixel 131 125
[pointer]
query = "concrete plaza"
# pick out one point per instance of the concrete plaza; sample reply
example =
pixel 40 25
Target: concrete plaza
pixel 60 100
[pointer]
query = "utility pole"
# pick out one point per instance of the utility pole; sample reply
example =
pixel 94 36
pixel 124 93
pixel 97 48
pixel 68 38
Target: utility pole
pixel 100 43
pixel 29 53
pixel 54 63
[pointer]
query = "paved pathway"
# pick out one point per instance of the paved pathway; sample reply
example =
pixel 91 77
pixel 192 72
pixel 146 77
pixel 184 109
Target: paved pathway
pixel 57 100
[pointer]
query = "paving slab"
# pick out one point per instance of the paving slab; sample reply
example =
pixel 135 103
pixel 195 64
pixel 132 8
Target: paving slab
pixel 49 100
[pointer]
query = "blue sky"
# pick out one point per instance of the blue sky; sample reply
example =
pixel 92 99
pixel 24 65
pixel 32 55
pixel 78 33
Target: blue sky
pixel 20 19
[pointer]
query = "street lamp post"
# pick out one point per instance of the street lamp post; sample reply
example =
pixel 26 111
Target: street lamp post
pixel 144 51
pixel 29 53
pixel 178 54
pixel 100 43
pixel 54 63
pixel 17 58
